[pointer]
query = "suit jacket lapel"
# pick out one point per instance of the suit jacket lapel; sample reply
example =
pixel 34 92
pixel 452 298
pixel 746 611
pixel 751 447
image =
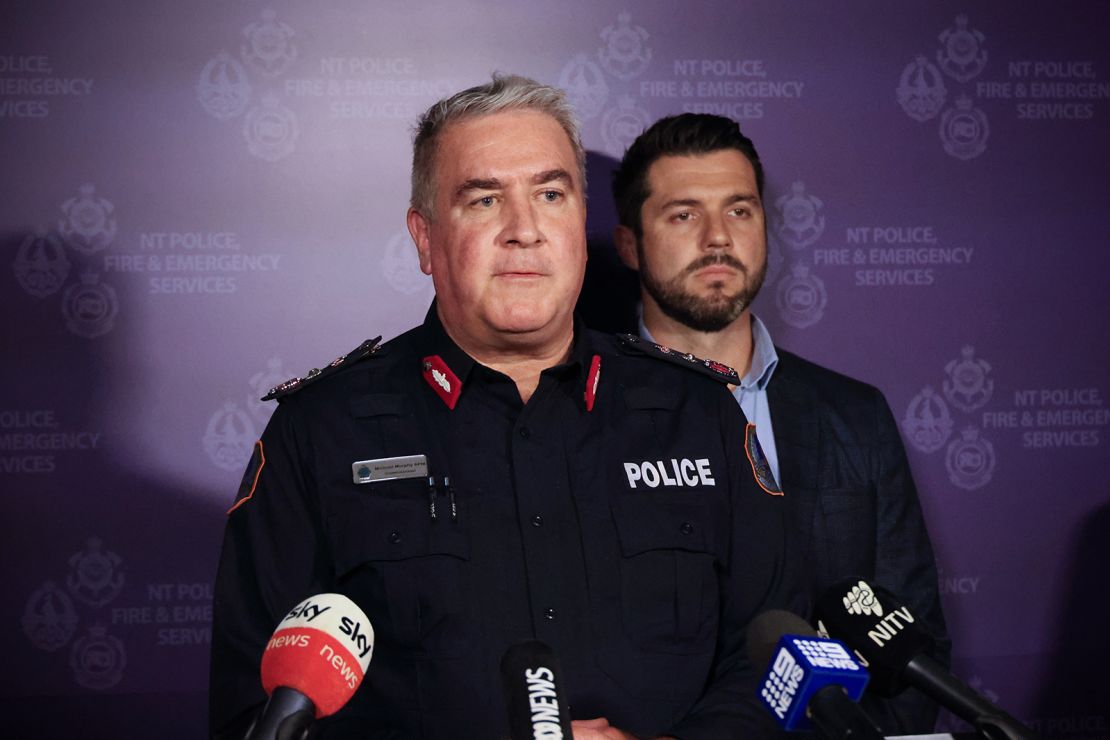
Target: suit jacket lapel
pixel 796 423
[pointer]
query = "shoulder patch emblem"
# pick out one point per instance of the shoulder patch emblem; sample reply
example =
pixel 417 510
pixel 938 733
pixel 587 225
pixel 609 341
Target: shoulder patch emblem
pixel 361 352
pixel 712 368
pixel 250 477
pixel 761 469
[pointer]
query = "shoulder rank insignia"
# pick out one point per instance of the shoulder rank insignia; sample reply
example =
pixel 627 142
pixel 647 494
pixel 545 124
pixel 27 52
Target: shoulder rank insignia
pixel 712 368
pixel 361 352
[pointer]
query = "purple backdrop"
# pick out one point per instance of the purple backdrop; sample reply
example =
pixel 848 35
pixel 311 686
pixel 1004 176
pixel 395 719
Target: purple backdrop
pixel 203 199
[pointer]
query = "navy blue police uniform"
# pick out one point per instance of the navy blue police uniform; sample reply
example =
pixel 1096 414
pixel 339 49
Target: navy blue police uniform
pixel 614 516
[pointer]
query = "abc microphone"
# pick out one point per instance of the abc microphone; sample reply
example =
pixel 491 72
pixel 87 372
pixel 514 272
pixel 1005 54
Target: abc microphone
pixel 811 683
pixel 884 633
pixel 312 665
pixel 534 693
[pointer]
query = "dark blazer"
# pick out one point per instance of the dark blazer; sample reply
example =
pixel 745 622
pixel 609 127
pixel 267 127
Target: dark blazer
pixel 844 472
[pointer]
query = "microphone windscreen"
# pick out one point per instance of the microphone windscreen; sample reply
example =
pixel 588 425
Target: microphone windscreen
pixel 874 624
pixel 765 631
pixel 799 665
pixel 322 649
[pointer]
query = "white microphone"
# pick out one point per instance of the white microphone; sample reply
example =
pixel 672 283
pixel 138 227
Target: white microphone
pixel 312 666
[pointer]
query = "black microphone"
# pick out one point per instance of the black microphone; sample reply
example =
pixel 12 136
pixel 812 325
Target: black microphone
pixel 811 682
pixel 884 633
pixel 534 693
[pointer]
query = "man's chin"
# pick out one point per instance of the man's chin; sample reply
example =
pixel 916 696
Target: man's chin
pixel 525 319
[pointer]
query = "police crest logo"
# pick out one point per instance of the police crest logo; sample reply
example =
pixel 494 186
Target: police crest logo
pixel 921 91
pixel 927 423
pixel 49 619
pixel 88 225
pixel 968 386
pixel 585 86
pixel 40 265
pixel 229 438
pixel 401 266
pixel 271 130
pixel 622 124
pixel 94 577
pixel 90 307
pixel 970 460
pixel 964 130
pixel 961 55
pixel 625 53
pixel 799 221
pixel 223 88
pixel 98 659
pixel 269 49
pixel 801 298
pixel 776 257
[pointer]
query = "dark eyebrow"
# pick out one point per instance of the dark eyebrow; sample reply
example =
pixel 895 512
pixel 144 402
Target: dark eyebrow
pixel 680 202
pixel 478 183
pixel 736 198
pixel 555 175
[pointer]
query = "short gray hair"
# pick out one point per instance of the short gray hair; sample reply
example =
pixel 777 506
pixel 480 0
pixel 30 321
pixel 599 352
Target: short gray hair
pixel 503 93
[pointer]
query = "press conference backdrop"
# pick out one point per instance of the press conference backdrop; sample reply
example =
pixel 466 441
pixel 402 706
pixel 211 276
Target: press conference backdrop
pixel 202 199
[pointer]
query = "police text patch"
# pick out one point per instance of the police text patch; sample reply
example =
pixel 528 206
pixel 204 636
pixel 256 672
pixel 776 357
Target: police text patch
pixel 673 472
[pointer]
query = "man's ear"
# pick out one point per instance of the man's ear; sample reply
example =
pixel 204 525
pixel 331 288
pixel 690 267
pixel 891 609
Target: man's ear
pixel 419 230
pixel 625 242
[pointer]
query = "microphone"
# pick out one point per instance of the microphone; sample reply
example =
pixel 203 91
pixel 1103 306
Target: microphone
pixel 312 665
pixel 534 693
pixel 811 683
pixel 884 633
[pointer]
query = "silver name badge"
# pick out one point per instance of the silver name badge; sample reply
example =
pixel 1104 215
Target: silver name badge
pixel 389 468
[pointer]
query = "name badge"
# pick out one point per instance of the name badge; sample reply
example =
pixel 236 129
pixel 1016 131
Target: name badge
pixel 389 468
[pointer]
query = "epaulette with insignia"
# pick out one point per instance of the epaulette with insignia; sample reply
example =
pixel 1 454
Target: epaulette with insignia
pixel 361 352
pixel 712 368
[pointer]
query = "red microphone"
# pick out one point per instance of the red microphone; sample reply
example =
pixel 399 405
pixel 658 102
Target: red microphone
pixel 312 665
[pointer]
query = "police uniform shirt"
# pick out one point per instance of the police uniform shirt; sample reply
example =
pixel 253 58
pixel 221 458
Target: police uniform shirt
pixel 614 516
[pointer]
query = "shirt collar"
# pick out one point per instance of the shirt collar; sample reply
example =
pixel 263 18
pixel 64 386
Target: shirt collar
pixel 764 357
pixel 437 341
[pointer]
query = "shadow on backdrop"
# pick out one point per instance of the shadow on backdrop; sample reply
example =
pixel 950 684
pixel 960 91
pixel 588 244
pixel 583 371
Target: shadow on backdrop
pixel 1076 681
pixel 610 291
pixel 108 566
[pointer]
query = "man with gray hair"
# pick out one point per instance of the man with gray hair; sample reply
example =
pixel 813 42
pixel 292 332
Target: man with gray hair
pixel 501 474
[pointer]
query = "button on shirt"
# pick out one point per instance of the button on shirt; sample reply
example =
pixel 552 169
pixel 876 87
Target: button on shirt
pixel 581 528
pixel 751 394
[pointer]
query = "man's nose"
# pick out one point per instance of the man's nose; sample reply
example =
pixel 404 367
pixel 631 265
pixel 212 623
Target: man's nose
pixel 716 234
pixel 521 226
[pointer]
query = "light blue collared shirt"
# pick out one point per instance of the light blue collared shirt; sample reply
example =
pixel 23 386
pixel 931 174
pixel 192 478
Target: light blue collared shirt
pixel 751 394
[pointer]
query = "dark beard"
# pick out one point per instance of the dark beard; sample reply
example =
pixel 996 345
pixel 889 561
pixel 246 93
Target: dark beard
pixel 708 314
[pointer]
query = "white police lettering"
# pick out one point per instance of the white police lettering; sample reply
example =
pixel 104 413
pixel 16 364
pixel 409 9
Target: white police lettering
pixel 544 703
pixel 889 626
pixel 670 473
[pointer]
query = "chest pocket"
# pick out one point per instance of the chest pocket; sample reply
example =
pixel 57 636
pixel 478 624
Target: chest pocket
pixel 670 545
pixel 393 558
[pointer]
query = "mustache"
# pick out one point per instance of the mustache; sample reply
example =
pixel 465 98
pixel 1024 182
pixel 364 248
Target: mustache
pixel 719 258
